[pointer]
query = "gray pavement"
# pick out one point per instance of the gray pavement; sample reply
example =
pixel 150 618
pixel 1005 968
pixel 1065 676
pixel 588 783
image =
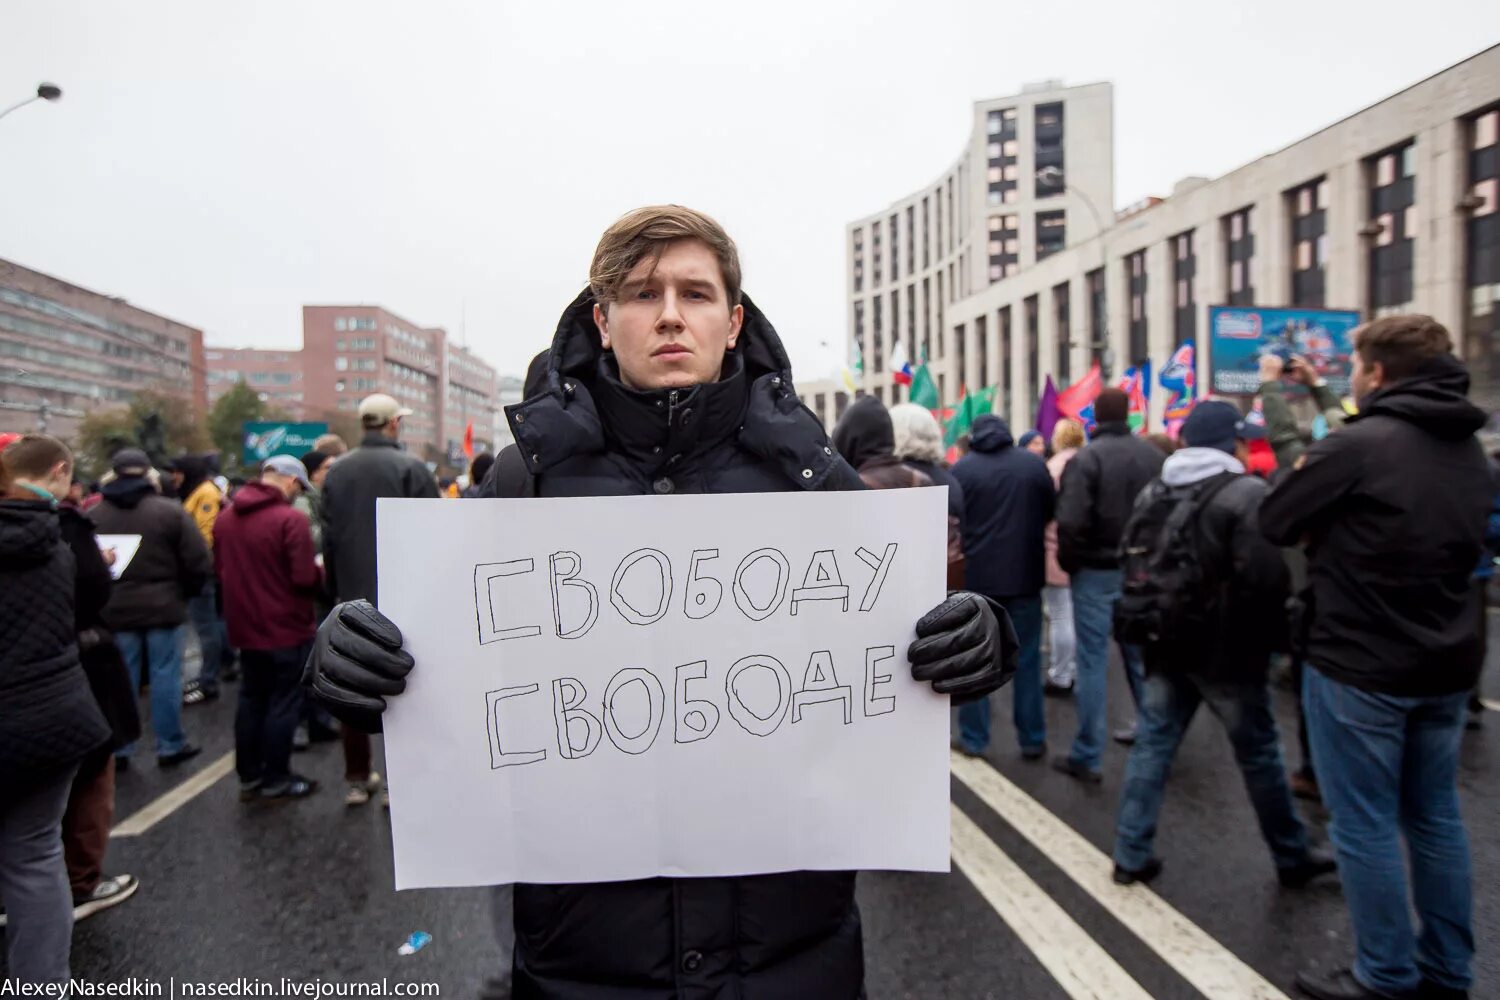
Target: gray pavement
pixel 303 890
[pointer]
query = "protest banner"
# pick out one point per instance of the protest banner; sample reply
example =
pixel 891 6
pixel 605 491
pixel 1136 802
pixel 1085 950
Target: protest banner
pixel 617 688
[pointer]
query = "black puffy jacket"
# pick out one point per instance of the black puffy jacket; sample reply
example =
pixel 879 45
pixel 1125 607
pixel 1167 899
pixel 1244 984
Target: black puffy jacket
pixel 1097 494
pixel 1008 500
pixel 795 934
pixel 171 565
pixel 48 718
pixel 1393 508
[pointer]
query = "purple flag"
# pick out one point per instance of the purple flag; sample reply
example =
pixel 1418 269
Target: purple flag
pixel 1047 413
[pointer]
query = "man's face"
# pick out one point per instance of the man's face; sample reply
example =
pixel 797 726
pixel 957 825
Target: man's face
pixel 1363 378
pixel 1037 446
pixel 177 478
pixel 670 330
pixel 320 474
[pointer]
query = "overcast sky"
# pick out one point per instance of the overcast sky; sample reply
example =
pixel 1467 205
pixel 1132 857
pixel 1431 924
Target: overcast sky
pixel 456 162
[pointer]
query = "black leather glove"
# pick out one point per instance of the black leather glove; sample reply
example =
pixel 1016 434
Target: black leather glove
pixel 965 646
pixel 356 661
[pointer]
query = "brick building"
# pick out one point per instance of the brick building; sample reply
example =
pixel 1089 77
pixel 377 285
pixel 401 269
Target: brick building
pixel 65 350
pixel 276 375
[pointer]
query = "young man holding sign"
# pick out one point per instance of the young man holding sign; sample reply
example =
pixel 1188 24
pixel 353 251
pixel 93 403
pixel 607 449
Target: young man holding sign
pixel 664 379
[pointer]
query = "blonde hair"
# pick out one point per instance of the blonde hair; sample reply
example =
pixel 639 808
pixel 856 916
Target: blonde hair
pixel 645 233
pixel 1067 434
pixel 917 433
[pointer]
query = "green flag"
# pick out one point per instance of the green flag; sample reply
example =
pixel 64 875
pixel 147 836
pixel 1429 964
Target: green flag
pixel 924 391
pixel 970 408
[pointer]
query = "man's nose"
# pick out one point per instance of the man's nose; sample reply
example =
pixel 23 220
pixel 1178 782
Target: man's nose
pixel 670 319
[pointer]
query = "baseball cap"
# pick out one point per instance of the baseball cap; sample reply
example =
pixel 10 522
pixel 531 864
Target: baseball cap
pixel 286 465
pixel 130 462
pixel 1215 423
pixel 378 408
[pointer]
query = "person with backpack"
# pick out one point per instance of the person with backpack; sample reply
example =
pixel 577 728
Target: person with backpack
pixel 1202 595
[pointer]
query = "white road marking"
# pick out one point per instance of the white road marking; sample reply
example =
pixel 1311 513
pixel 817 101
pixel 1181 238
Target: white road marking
pixel 1211 968
pixel 1081 967
pixel 174 799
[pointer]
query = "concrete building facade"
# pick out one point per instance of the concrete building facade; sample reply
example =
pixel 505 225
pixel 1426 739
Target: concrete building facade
pixel 1393 209
pixel 65 350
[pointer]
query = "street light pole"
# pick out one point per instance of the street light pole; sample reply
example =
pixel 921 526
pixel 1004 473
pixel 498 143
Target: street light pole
pixel 1054 175
pixel 44 92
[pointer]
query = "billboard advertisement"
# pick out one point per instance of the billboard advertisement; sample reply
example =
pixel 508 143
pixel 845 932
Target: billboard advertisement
pixel 266 438
pixel 1238 336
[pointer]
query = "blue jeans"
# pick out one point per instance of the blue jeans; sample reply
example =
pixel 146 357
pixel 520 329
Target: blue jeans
pixel 1095 592
pixel 205 618
pixel 1167 706
pixel 1388 767
pixel 1026 689
pixel 162 648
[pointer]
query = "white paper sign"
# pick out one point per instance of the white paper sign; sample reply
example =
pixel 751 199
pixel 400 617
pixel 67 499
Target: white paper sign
pixel 618 688
pixel 125 546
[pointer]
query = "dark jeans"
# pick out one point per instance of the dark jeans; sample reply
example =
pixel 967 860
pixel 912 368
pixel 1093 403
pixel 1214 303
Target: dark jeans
pixel 269 707
pixel 1388 767
pixel 1168 703
pixel 204 613
pixel 1026 689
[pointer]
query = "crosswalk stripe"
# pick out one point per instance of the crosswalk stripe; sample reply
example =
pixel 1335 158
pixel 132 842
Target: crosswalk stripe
pixel 1081 967
pixel 1211 968
pixel 175 798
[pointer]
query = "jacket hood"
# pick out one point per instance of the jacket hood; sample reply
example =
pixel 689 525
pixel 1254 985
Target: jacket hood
pixel 255 494
pixel 29 532
pixel 864 432
pixel 1193 465
pixel 580 406
pixel 1435 399
pixel 990 433
pixel 194 471
pixel 127 491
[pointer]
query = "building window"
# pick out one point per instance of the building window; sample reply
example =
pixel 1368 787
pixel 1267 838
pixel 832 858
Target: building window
pixel 1051 233
pixel 927 318
pixel 1098 331
pixel 340 364
pixel 1004 246
pixel 926 256
pixel 1033 354
pixel 895 247
pixel 1482 256
pixel 1391 211
pixel 1004 317
pixel 859 260
pixel 1051 177
pixel 1184 268
pixel 1239 250
pixel 1135 283
pixel 878 339
pixel 981 332
pixel 875 251
pixel 911 238
pixel 1061 322
pixel 1308 205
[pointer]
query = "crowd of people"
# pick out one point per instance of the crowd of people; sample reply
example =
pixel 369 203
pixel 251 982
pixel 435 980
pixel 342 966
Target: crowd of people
pixel 663 378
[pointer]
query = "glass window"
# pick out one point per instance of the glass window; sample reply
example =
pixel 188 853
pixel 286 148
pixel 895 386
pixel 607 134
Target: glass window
pixel 994 198
pixel 1236 226
pixel 994 151
pixel 1304 201
pixel 1385 170
pixel 1387 225
pixel 1488 191
pixel 1012 221
pixel 1182 292
pixel 338 323
pixel 1321 198
pixel 994 125
pixel 995 246
pixel 996 272
pixel 1409 223
pixel 1487 129
pixel 340 364
pixel 1237 276
pixel 995 173
pixel 1408 160
pixel 1304 255
pixel 1010 147
pixel 1012 172
pixel 1011 195
pixel 995 223
pixel 1321 250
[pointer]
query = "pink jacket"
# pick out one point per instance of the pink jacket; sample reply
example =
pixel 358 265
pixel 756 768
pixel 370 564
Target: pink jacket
pixel 1055 465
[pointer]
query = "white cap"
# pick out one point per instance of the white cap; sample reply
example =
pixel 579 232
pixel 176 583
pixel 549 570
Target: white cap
pixel 378 409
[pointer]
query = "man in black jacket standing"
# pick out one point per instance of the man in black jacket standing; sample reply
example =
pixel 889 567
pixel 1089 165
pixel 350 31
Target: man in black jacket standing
pixel 379 467
pixel 1393 510
pixel 148 605
pixel 1008 500
pixel 1098 492
pixel 1221 656
pixel 664 379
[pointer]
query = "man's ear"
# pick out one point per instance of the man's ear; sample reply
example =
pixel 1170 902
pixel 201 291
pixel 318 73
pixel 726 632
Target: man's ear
pixel 601 321
pixel 736 320
pixel 1377 374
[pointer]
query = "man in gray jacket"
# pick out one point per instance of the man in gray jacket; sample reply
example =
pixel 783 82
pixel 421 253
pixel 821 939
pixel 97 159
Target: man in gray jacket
pixel 379 467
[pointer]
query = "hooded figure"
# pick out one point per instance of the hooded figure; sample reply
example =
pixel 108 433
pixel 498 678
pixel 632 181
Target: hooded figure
pixel 866 438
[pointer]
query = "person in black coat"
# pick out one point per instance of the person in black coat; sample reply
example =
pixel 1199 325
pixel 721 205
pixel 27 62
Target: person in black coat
pixel 1225 664
pixel 1393 508
pixel 48 718
pixel 1098 492
pixel 660 382
pixel 1008 500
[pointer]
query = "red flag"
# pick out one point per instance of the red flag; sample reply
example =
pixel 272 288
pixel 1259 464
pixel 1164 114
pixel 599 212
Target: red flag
pixel 1081 393
pixel 469 440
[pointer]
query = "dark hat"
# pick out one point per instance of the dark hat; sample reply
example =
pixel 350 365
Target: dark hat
pixel 130 462
pixel 1215 423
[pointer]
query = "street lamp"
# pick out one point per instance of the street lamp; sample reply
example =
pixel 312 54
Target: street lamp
pixel 1054 175
pixel 44 92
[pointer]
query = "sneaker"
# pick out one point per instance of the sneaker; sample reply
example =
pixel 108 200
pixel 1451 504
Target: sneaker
pixel 1142 875
pixel 296 787
pixel 249 791
pixel 195 694
pixel 1309 868
pixel 1071 767
pixel 300 741
pixel 1339 984
pixel 1052 690
pixel 1126 735
pixel 359 792
pixel 188 751
pixel 110 891
pixel 1033 753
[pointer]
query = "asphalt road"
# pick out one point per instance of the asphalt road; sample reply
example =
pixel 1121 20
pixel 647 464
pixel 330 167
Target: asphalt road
pixel 304 890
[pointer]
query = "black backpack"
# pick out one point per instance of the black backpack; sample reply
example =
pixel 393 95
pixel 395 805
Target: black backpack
pixel 1167 595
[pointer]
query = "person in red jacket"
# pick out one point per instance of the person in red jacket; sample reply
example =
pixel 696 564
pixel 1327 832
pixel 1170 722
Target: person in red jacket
pixel 263 551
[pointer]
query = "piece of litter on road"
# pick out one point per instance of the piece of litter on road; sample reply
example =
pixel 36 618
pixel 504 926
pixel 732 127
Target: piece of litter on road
pixel 415 943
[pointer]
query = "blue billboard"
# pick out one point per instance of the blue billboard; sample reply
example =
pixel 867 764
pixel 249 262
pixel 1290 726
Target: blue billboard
pixel 1238 336
pixel 266 438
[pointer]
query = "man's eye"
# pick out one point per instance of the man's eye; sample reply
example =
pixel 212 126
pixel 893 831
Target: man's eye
pixel 696 295
pixel 645 293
